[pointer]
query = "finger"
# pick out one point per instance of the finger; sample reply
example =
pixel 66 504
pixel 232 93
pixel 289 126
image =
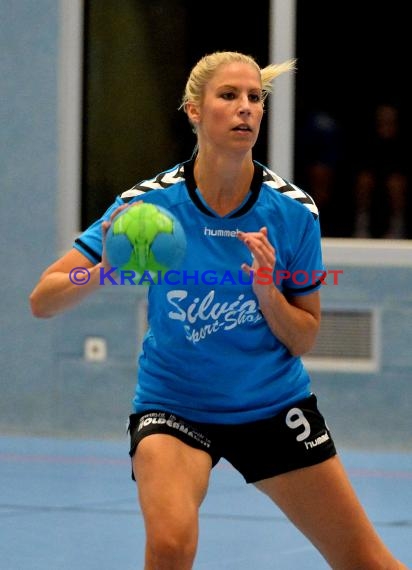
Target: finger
pixel 105 226
pixel 246 268
pixel 117 211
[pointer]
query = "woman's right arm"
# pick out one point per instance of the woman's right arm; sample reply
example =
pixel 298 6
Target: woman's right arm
pixel 60 288
pixel 56 290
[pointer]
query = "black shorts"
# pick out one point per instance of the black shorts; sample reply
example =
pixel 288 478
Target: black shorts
pixel 294 438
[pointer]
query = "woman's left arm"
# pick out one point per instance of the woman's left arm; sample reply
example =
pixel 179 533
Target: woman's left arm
pixel 293 320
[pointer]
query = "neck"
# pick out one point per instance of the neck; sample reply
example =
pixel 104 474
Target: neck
pixel 223 183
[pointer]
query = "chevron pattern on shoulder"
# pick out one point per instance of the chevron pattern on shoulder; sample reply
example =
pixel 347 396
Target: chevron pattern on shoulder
pixel 161 181
pixel 281 185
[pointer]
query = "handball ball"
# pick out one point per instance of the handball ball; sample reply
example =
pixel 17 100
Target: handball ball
pixel 145 238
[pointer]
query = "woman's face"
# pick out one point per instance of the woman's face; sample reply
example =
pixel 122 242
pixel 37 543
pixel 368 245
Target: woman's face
pixel 231 110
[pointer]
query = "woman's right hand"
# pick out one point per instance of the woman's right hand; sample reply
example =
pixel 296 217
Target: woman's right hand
pixel 106 225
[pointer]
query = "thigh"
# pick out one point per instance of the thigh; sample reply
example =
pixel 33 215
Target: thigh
pixel 321 502
pixel 172 480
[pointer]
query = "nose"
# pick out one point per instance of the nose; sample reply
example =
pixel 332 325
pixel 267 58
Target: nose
pixel 244 107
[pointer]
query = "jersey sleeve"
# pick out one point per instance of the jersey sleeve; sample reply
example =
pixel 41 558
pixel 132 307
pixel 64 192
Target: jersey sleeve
pixel 306 268
pixel 89 242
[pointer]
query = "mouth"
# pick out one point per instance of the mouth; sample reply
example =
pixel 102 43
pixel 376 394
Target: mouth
pixel 242 128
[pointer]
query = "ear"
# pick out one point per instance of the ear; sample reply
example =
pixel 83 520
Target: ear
pixel 193 113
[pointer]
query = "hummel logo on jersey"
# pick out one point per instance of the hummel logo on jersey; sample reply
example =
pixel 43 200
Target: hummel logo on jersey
pixel 213 232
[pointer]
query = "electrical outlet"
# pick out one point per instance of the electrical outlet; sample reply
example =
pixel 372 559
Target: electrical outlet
pixel 95 349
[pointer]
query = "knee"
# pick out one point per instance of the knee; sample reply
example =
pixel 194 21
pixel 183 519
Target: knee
pixel 172 549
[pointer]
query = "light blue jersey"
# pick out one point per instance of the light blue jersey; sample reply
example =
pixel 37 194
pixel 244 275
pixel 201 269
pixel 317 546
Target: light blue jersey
pixel 209 354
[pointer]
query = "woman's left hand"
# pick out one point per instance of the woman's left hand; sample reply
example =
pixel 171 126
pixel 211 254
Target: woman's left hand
pixel 263 253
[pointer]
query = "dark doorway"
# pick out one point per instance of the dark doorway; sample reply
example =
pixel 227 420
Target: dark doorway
pixel 137 58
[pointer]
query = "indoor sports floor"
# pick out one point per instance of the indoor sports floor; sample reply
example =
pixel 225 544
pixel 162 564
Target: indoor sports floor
pixel 70 504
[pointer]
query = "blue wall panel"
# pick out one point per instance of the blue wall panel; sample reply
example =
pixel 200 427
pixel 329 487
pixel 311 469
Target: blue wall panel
pixel 47 386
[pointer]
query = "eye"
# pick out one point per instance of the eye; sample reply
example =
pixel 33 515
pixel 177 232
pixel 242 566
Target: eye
pixel 255 97
pixel 232 95
pixel 228 95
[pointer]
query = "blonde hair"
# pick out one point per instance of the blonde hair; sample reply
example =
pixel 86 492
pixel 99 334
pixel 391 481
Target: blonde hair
pixel 207 65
